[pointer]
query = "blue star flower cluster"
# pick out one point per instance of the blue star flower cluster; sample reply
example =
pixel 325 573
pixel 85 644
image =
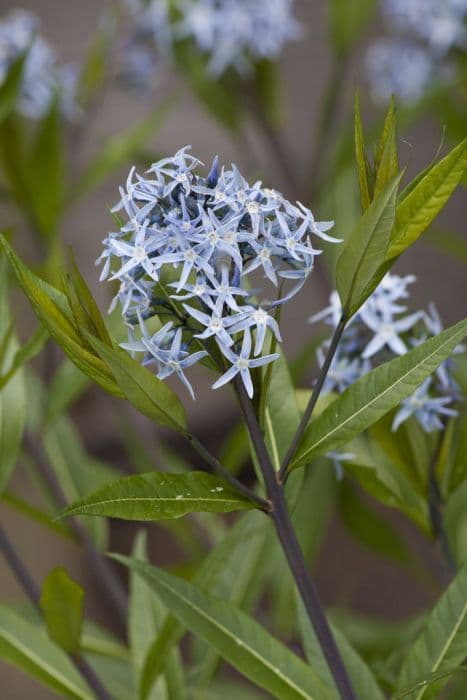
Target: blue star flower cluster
pixel 190 251
pixel 424 33
pixel 381 329
pixel 42 77
pixel 230 33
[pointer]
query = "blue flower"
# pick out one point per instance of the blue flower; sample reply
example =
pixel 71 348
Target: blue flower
pixel 231 34
pixel 428 410
pixel 381 329
pixel 242 363
pixel 191 238
pixel 42 79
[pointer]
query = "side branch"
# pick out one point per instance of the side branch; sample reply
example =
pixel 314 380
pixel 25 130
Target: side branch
pixel 313 399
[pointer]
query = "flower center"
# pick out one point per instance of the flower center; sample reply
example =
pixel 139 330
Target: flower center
pixel 260 316
pixel 190 255
pixel 265 254
pixel 216 325
pixel 386 331
pixel 140 253
pixel 242 363
pixel 252 208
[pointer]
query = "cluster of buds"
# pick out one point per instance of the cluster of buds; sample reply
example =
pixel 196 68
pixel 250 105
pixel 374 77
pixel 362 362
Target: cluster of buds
pixel 380 330
pixel 43 80
pixel 189 252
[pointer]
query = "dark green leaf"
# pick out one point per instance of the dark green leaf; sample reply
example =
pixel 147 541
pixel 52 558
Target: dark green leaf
pixel 160 495
pixel 375 394
pixel 28 647
pixel 363 166
pixel 442 644
pixel 62 606
pixel 10 86
pixel 142 388
pixel 357 271
pixel 236 636
pixel 386 157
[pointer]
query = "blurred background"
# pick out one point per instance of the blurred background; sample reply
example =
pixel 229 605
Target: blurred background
pixel 371 585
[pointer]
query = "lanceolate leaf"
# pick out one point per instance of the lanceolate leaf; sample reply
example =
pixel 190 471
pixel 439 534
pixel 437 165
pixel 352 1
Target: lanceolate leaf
pixel 363 167
pixel 26 646
pixel 425 201
pixel 160 495
pixel 52 309
pixel 237 637
pixel 442 644
pixel 247 534
pixel 365 250
pixel 375 394
pixel 386 157
pixel 62 604
pixel 361 676
pixel 142 388
pixel 145 618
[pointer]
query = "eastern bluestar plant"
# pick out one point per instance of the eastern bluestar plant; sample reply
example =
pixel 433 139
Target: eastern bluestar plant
pixel 381 329
pixel 424 35
pixel 189 251
pixel 43 79
pixel 230 33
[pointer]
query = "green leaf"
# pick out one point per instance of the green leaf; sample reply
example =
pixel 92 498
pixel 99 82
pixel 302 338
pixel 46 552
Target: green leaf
pixel 375 394
pixel 236 636
pixel 386 157
pixel 442 643
pixel 145 619
pixel 223 562
pixel 28 647
pixel 282 415
pixel 425 201
pixel 13 395
pixel 357 271
pixel 46 172
pixel 77 472
pixel 369 528
pixel 363 166
pixel 67 385
pixel 87 301
pixel 62 605
pixel 10 85
pixel 25 353
pixel 52 309
pixel 142 388
pixel 36 515
pixel 159 495
pixel 363 681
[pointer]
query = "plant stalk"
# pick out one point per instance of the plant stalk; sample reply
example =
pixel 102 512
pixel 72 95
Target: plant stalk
pixel 292 551
pixel 313 399
pixel 32 591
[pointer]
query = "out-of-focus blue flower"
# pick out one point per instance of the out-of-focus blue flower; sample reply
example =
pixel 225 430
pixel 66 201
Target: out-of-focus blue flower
pixel 399 67
pixel 418 52
pixel 43 79
pixel 202 240
pixel 381 329
pixel 230 33
pixel 428 410
pixel 441 24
